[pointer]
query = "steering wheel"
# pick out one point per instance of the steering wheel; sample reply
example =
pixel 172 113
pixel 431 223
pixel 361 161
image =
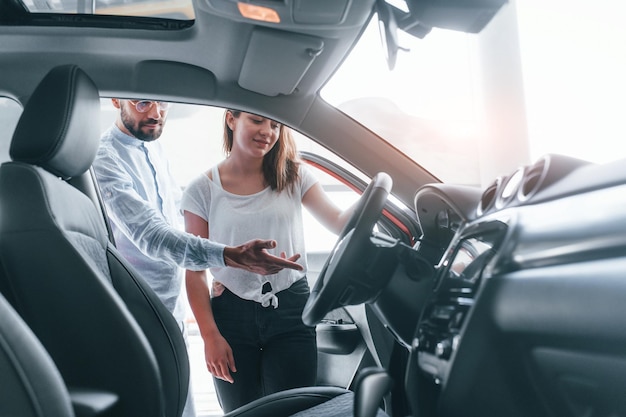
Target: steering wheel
pixel 343 279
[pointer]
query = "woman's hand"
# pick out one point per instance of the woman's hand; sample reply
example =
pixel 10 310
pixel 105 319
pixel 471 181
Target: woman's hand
pixel 219 358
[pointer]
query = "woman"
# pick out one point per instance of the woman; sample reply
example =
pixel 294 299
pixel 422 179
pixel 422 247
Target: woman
pixel 254 339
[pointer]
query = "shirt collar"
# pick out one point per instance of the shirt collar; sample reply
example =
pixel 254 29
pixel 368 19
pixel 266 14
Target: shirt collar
pixel 126 139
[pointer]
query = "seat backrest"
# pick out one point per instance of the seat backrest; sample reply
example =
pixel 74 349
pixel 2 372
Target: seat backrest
pixel 103 326
pixel 31 385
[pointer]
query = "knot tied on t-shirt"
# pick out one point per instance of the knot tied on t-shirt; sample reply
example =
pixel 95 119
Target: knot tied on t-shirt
pixel 268 299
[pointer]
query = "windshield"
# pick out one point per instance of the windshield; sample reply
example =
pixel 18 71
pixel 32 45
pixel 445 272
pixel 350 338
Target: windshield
pixel 544 76
pixel 426 106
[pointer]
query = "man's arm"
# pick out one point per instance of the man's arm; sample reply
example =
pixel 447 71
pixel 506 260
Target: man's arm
pixel 145 227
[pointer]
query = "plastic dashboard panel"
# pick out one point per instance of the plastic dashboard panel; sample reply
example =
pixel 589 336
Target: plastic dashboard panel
pixel 533 324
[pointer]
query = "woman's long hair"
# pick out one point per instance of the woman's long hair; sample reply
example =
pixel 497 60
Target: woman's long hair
pixel 280 164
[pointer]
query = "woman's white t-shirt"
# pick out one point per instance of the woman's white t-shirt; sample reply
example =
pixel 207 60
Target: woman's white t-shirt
pixel 235 219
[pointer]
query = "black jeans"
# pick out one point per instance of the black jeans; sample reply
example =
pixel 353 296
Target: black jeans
pixel 272 348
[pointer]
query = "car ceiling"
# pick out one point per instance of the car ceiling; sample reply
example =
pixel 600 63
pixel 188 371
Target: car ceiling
pixel 207 62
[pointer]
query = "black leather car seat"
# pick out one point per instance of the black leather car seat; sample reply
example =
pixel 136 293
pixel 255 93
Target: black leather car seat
pixel 287 403
pixel 31 384
pixel 103 326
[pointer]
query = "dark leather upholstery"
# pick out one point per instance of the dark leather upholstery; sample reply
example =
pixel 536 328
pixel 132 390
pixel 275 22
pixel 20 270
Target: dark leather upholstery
pixel 286 403
pixel 103 326
pixel 59 128
pixel 31 385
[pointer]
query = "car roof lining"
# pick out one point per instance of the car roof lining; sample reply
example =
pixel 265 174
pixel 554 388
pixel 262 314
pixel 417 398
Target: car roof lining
pixel 206 43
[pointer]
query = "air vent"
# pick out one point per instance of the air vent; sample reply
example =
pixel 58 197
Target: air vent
pixel 510 188
pixel 488 197
pixel 532 180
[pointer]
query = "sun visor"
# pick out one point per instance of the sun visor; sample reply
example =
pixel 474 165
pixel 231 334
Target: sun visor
pixel 276 61
pixel 172 79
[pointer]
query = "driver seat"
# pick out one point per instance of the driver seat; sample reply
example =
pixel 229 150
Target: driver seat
pixel 103 326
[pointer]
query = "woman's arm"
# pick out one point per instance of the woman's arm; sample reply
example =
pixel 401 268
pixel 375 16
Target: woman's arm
pixel 217 352
pixel 324 210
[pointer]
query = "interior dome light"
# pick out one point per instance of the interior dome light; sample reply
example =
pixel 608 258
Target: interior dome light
pixel 264 14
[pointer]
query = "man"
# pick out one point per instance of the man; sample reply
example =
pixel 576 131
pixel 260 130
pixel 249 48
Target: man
pixel 142 199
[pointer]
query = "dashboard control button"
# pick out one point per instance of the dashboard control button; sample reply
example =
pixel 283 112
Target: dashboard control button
pixel 443 350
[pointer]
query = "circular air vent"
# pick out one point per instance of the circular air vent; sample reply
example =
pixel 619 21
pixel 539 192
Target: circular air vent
pixel 488 197
pixel 510 188
pixel 532 179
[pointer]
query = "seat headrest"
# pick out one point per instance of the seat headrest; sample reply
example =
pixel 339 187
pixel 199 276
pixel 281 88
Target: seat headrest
pixel 59 129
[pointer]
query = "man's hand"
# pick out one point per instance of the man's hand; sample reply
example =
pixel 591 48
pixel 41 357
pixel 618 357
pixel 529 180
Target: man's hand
pixel 254 257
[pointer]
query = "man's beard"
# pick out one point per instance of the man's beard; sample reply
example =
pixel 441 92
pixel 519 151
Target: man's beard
pixel 136 131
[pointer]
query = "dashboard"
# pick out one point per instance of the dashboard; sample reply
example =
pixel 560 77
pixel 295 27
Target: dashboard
pixel 525 316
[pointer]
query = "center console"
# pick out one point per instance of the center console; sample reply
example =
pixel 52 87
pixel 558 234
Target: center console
pixel 458 281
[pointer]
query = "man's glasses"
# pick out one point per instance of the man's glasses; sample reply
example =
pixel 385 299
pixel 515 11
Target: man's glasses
pixel 143 106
